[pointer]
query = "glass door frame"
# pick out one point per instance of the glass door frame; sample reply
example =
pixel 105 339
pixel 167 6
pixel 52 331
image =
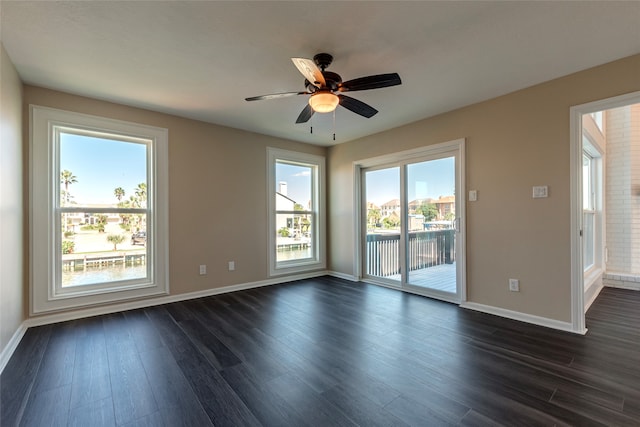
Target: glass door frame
pixel 456 149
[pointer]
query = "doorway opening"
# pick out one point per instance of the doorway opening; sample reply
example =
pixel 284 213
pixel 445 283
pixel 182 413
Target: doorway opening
pixel 605 205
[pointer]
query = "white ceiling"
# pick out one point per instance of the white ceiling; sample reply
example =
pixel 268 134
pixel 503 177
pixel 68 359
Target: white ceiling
pixel 200 59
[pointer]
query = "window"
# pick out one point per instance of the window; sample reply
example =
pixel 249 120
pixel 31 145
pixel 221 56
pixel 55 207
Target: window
pixel 99 210
pixel 296 206
pixel 589 211
pixel 591 206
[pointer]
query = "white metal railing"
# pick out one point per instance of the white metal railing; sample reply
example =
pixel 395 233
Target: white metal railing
pixel 425 249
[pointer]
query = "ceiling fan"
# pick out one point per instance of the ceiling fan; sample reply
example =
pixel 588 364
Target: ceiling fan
pixel 322 85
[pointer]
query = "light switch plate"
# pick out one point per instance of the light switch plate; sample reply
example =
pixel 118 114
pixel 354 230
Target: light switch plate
pixel 473 195
pixel 540 191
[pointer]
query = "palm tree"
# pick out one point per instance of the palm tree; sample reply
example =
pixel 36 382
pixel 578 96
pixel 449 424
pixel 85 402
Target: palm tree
pixel 116 239
pixel 141 192
pixel 101 222
pixel 66 178
pixel 141 202
pixel 373 216
pixel 119 193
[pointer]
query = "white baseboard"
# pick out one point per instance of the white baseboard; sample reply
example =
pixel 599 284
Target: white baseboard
pixel 509 314
pixel 622 281
pixel 11 346
pixel 339 275
pixel 591 294
pixel 522 317
pixel 632 286
pixel 46 319
pixel 132 305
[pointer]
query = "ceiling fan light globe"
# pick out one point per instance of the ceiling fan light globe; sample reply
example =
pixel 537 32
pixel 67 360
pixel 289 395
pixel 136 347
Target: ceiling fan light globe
pixel 323 102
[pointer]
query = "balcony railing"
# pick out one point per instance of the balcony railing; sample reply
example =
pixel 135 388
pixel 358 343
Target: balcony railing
pixel 425 249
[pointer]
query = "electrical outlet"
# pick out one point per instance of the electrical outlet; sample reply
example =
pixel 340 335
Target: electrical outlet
pixel 232 265
pixel 203 269
pixel 514 285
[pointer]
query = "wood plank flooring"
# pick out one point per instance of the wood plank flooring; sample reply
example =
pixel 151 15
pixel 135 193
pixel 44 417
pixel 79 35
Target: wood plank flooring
pixel 326 352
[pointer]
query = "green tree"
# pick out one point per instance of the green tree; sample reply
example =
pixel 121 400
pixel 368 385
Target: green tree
pixel 141 194
pixel 67 178
pixel 305 224
pixel 119 193
pixel 68 246
pixel 116 239
pixel 392 221
pixel 125 219
pixel 66 197
pixel 139 201
pixel 373 216
pixel 283 232
pixel 101 222
pixel 429 210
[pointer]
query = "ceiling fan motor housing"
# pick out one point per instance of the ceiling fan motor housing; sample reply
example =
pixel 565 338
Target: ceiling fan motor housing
pixel 332 81
pixel 323 60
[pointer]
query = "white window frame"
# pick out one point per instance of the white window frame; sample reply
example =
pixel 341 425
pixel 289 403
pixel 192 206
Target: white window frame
pixel 589 213
pixel 44 261
pixel 318 260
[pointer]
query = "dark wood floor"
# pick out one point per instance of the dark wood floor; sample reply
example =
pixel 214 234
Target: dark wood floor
pixel 326 352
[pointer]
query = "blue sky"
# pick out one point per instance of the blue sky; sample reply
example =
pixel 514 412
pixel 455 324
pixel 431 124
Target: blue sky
pixel 298 179
pixel 102 165
pixel 430 179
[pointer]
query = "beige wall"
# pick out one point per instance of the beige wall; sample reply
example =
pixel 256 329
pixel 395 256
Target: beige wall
pixel 217 191
pixel 513 143
pixel 11 201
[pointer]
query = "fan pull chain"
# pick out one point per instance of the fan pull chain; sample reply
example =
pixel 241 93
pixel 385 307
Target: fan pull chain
pixel 334 125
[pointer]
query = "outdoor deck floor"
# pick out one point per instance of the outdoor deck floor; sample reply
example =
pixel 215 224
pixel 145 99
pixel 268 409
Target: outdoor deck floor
pixel 439 277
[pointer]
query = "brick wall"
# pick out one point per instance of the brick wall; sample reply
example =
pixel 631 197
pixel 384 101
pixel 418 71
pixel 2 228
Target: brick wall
pixel 622 202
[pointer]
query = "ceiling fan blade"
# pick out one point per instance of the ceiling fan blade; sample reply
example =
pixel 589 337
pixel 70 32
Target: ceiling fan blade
pixel 305 114
pixel 357 107
pixel 371 82
pixel 275 95
pixel 310 71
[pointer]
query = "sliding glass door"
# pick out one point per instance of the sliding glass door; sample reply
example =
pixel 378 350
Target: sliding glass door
pixel 382 222
pixel 411 219
pixel 431 228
